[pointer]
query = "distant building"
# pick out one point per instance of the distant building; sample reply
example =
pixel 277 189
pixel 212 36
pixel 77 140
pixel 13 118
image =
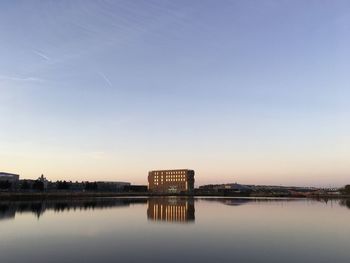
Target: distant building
pixel 112 186
pixel 12 178
pixel 225 188
pixel 171 181
pixel 136 188
pixel 8 181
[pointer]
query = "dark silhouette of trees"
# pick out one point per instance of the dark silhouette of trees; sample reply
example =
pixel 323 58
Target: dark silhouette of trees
pixel 91 186
pixel 345 203
pixel 38 186
pixel 347 189
pixel 63 185
pixel 25 186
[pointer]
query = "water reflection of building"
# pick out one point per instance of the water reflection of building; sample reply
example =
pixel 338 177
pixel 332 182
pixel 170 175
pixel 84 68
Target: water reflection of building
pixel 7 212
pixel 171 209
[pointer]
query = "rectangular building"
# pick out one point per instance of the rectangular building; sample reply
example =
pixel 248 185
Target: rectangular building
pixel 8 181
pixel 111 186
pixel 171 181
pixel 13 178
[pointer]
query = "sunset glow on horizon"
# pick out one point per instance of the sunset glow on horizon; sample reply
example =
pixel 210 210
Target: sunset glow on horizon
pixel 254 92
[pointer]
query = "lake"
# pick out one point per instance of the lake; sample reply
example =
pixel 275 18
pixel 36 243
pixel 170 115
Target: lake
pixel 175 230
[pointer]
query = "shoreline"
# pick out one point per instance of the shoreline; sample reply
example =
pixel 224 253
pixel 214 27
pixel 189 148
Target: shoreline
pixel 81 195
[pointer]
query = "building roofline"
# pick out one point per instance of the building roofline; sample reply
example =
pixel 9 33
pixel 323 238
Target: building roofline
pixel 3 173
pixel 166 170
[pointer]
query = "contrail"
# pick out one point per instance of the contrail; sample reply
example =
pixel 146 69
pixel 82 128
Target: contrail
pixel 106 79
pixel 41 55
pixel 11 78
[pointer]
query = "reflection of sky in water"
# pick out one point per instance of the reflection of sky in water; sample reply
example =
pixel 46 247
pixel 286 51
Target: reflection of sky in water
pixel 224 230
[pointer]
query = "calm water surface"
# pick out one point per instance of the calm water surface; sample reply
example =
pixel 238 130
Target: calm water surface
pixel 175 230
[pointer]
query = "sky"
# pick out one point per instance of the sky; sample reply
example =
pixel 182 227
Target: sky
pixel 254 92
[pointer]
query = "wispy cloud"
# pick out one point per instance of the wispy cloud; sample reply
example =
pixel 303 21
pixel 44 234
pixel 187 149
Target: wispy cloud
pixel 42 55
pixel 104 77
pixel 20 79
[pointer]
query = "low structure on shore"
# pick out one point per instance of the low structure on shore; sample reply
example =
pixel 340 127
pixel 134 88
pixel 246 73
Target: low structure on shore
pixel 8 181
pixel 225 188
pixel 11 183
pixel 9 177
pixel 264 190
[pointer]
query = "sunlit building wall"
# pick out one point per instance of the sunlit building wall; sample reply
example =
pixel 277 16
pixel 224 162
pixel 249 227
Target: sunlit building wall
pixel 171 181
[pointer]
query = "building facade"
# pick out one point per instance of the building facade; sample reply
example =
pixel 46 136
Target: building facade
pixel 171 181
pixel 9 177
pixel 8 181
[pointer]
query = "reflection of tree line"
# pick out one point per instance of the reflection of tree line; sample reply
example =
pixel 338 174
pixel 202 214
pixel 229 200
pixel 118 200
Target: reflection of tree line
pixel 243 201
pixel 342 202
pixel 159 209
pixel 345 202
pixel 9 209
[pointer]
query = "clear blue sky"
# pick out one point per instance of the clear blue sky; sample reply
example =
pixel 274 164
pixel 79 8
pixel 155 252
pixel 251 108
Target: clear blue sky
pixel 246 91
